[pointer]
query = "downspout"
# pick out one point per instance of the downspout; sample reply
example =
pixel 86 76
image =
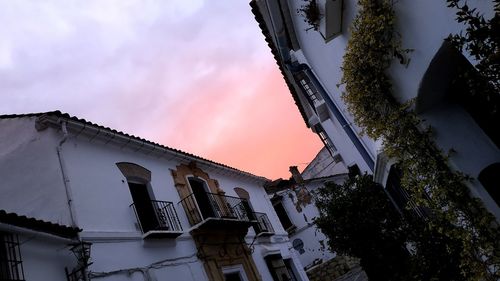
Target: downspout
pixel 66 180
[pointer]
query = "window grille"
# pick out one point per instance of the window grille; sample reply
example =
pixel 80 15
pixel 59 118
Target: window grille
pixel 311 91
pixel 11 264
pixel 326 140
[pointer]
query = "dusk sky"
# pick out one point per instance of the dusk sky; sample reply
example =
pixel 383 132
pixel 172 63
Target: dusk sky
pixel 195 75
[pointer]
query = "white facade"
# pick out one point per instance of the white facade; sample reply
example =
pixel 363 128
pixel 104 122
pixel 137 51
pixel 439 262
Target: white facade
pixel 424 25
pixel 296 197
pixel 62 170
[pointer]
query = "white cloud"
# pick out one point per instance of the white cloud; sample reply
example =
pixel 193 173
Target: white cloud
pixel 123 63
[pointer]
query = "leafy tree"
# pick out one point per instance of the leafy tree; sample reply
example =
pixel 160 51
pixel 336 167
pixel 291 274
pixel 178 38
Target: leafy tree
pixel 360 221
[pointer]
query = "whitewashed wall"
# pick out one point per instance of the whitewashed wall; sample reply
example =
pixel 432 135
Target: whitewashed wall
pixel 423 26
pixel 32 183
pixel 315 242
pixel 101 203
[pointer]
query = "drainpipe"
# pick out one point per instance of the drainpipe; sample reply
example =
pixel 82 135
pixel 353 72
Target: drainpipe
pixel 66 180
pixel 281 41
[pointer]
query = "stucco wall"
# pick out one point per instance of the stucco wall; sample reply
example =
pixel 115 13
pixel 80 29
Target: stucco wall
pixel 102 199
pixel 423 26
pixel 32 183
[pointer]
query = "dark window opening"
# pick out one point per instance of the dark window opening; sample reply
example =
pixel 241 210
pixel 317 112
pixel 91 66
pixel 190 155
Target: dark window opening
pixel 143 205
pixel 325 139
pixel 281 270
pixel 400 197
pixel 11 265
pixel 490 179
pixel 353 171
pixel 200 192
pixel 233 276
pixel 283 216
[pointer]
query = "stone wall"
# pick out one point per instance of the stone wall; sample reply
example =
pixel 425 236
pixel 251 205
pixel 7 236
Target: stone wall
pixel 332 269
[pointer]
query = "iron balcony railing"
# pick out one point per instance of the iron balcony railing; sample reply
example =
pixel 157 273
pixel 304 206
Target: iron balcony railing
pixel 157 215
pixel 262 225
pixel 204 205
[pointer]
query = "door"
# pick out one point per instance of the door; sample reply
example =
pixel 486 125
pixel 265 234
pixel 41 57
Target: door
pixel 143 206
pixel 202 198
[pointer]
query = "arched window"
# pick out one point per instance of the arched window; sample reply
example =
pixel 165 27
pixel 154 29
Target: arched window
pixel 490 179
pixel 243 194
pixel 138 179
pixel 203 197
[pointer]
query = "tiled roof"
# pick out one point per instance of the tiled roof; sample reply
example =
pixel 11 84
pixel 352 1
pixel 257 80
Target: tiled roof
pixel 88 123
pixel 267 35
pixel 38 225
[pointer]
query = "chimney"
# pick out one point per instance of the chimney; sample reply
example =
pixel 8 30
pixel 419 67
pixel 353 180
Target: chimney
pixel 296 175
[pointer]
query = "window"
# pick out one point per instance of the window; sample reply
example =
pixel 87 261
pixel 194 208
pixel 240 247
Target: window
pixel 144 206
pixel 280 269
pixel 154 216
pixel 490 179
pixel 325 139
pixel 247 206
pixel 282 215
pixel 234 273
pixel 11 265
pixel 203 198
pixel 399 196
pixel 312 95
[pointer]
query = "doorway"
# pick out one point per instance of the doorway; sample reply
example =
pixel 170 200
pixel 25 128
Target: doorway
pixel 202 196
pixel 143 206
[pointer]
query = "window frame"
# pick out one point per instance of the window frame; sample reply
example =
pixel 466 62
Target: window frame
pixel 238 268
pixel 10 257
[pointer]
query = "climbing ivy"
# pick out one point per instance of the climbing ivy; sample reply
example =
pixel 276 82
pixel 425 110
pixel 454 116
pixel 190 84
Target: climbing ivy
pixel 426 175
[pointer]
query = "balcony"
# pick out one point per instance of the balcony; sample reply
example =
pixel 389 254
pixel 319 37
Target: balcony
pixel 262 226
pixel 207 210
pixel 157 219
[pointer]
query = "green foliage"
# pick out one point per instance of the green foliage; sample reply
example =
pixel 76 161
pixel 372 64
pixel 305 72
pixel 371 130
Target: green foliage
pixel 359 221
pixel 426 175
pixel 481 40
pixel 311 14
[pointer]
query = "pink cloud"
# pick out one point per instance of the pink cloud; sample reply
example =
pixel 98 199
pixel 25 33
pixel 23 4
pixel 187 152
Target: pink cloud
pixel 176 72
pixel 265 136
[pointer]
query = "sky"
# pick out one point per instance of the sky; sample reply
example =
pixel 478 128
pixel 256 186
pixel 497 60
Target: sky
pixel 194 75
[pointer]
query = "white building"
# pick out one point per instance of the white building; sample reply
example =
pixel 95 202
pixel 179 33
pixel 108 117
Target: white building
pixel 311 60
pixel 293 201
pixel 150 212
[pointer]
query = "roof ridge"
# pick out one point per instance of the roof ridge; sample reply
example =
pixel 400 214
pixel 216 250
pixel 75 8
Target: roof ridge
pixel 60 114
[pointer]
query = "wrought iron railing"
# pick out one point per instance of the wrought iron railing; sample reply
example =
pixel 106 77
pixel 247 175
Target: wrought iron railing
pixel 160 215
pixel 202 206
pixel 262 225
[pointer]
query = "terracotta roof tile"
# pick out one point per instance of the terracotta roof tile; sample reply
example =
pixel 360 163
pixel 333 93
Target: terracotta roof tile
pixel 38 225
pixel 60 114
